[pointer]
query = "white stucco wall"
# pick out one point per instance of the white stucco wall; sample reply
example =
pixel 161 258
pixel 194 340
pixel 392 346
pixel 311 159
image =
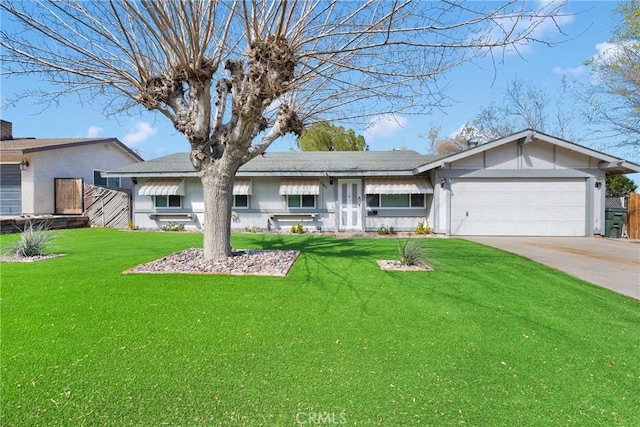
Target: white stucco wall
pixel 38 185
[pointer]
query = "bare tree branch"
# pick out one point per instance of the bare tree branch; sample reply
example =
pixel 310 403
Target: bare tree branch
pixel 227 73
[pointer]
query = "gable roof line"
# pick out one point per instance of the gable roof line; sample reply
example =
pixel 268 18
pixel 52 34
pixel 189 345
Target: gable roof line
pixel 524 134
pixel 71 142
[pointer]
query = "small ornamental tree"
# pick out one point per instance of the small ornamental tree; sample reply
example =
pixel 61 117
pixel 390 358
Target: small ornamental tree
pixel 323 136
pixel 233 76
pixel 620 186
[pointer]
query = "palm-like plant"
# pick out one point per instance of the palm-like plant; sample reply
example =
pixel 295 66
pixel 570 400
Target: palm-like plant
pixel 33 241
pixel 411 252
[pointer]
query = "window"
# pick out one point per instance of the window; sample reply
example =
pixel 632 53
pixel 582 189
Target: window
pixel 373 200
pixel 417 201
pixel 167 201
pixel 105 182
pixel 241 201
pixel 395 200
pixel 297 201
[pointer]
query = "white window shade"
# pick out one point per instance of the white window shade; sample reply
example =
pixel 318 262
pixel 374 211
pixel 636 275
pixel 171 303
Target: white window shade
pixel 242 187
pixel 413 185
pixel 300 187
pixel 162 187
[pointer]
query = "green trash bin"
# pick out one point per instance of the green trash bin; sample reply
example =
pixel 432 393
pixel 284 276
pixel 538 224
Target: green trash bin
pixel 614 220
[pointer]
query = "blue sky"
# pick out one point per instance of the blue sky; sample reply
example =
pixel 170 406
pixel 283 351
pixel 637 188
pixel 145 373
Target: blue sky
pixel 470 87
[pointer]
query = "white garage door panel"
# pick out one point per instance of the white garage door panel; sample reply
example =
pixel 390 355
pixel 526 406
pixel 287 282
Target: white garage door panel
pixel 518 207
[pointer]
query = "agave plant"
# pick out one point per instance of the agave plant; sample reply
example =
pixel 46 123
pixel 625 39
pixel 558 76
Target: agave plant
pixel 411 252
pixel 34 240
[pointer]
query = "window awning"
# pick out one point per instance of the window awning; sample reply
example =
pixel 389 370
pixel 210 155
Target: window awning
pixel 162 187
pixel 242 187
pixel 413 185
pixel 299 186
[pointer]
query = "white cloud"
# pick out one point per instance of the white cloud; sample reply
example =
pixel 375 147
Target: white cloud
pixel 140 133
pixel 610 51
pixel 571 71
pixel 385 125
pixel 607 53
pixel 94 131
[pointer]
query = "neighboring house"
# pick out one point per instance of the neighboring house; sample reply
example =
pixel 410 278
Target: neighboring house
pixel 30 168
pixel 527 183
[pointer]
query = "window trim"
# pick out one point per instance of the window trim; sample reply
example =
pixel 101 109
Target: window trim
pixel 315 201
pixel 155 201
pixel 424 202
pixel 235 206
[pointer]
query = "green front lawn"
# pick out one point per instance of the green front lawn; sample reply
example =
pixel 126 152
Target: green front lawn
pixel 488 339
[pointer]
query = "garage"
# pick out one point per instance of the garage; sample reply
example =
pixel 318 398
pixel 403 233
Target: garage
pixel 519 207
pixel 10 190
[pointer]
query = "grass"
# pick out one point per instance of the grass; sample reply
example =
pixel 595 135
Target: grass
pixel 489 338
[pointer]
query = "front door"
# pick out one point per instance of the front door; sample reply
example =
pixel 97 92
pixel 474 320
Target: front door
pixel 350 202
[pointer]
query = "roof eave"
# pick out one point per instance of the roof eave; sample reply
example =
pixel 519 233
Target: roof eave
pixel 135 174
pixel 140 174
pixel 619 167
pixel 530 134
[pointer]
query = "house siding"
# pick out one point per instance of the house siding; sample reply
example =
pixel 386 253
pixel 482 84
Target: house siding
pixel 38 192
pixel 535 160
pixel 268 209
pixel 526 163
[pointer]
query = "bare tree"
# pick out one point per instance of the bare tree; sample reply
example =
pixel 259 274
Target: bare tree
pixel 465 138
pixel 525 105
pixel 613 98
pixel 234 76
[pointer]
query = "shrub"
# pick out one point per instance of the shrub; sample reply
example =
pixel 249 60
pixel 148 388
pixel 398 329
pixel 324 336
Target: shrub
pixel 34 240
pixel 410 252
pixel 173 226
pixel 423 228
pixel 254 229
pixel 297 228
pixel 386 230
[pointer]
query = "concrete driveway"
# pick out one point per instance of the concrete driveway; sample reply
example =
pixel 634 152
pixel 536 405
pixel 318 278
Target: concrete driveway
pixel 611 263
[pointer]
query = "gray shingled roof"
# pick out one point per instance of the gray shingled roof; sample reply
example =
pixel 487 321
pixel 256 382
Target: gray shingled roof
pixel 314 163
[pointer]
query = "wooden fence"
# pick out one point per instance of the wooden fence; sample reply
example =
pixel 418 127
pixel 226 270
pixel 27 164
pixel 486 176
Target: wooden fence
pixel 633 216
pixel 107 207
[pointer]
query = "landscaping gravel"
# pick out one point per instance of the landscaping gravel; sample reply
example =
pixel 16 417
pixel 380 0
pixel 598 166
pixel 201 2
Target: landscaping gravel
pixel 243 262
pixel 9 258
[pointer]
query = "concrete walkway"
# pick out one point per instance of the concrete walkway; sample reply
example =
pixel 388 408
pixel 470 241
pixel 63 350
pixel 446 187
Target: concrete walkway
pixel 611 263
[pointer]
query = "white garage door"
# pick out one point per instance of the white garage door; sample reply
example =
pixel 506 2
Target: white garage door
pixel 518 207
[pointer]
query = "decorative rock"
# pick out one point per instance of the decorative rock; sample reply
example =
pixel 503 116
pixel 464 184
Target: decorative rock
pixel 243 262
pixel 395 265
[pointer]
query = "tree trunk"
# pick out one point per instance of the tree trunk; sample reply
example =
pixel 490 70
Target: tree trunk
pixel 217 189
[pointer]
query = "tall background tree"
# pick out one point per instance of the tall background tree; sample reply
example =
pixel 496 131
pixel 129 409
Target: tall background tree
pixel 613 98
pixel 523 105
pixel 527 105
pixel 323 136
pixel 235 76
